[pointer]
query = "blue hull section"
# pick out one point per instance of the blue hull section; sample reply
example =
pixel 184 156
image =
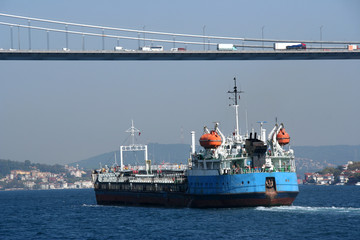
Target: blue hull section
pixel 241 183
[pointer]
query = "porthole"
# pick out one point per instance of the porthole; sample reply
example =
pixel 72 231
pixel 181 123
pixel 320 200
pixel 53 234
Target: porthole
pixel 248 182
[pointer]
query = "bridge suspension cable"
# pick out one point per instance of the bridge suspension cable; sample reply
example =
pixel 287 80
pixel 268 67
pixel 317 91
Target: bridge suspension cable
pixel 173 34
pixel 101 35
pixel 120 29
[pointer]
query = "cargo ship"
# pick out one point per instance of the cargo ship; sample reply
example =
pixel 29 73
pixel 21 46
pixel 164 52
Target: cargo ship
pixel 246 170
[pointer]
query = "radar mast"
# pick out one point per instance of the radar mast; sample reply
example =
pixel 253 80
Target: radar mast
pixel 236 93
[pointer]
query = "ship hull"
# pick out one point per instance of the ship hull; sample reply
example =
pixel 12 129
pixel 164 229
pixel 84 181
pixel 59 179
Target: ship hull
pixel 241 190
pixel 168 199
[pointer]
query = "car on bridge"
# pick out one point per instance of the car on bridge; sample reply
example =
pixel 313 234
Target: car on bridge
pixel 177 49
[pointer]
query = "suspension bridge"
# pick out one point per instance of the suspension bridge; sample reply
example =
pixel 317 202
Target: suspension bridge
pixel 29 38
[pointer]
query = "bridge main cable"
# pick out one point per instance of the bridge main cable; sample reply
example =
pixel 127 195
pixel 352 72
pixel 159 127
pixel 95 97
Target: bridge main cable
pixel 101 35
pixel 174 34
pixel 119 29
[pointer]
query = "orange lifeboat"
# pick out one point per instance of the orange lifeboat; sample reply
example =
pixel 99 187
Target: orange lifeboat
pixel 210 140
pixel 283 137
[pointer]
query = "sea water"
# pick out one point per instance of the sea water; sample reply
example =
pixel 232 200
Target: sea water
pixel 319 212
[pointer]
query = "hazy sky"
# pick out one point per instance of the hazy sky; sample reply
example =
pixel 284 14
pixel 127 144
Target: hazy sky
pixel 62 111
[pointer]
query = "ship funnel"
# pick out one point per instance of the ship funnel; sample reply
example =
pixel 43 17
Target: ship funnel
pixel 262 131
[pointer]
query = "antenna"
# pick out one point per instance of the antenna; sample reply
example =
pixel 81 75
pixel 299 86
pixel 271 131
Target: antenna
pixel 181 135
pixel 132 130
pixel 261 123
pixel 247 125
pixel 115 158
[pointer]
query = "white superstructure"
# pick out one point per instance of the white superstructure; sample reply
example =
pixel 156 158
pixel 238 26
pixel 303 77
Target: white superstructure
pixel 238 154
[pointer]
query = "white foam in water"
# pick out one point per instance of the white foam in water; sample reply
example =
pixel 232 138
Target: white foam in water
pixel 90 205
pixel 303 209
pixel 102 206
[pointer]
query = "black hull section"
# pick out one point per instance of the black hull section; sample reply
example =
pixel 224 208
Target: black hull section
pixel 179 199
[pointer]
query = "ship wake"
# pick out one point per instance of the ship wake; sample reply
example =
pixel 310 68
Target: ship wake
pixel 312 210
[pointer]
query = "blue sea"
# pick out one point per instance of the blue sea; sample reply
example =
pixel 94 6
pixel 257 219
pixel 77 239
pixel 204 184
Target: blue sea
pixel 319 212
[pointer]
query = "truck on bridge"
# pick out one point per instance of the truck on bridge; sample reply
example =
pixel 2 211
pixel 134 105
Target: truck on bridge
pixel 226 47
pixel 152 48
pixel 289 46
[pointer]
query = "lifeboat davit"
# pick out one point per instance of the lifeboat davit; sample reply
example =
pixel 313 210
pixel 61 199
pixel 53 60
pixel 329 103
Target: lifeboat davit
pixel 283 137
pixel 210 140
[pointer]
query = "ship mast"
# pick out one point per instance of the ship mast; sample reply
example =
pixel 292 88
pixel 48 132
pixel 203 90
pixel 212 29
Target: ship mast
pixel 236 93
pixel 133 147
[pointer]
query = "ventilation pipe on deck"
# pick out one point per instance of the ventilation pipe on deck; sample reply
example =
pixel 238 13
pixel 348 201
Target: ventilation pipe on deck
pixel 192 142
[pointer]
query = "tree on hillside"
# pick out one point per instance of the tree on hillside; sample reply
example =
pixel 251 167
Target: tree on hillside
pixel 7 165
pixel 335 171
pixel 354 166
pixel 15 184
pixel 50 168
pixel 27 163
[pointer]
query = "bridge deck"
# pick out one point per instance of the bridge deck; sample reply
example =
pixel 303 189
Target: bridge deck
pixel 186 55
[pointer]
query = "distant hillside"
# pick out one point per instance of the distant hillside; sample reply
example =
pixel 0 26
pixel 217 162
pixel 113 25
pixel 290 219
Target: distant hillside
pixel 308 158
pixel 338 154
pixel 312 159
